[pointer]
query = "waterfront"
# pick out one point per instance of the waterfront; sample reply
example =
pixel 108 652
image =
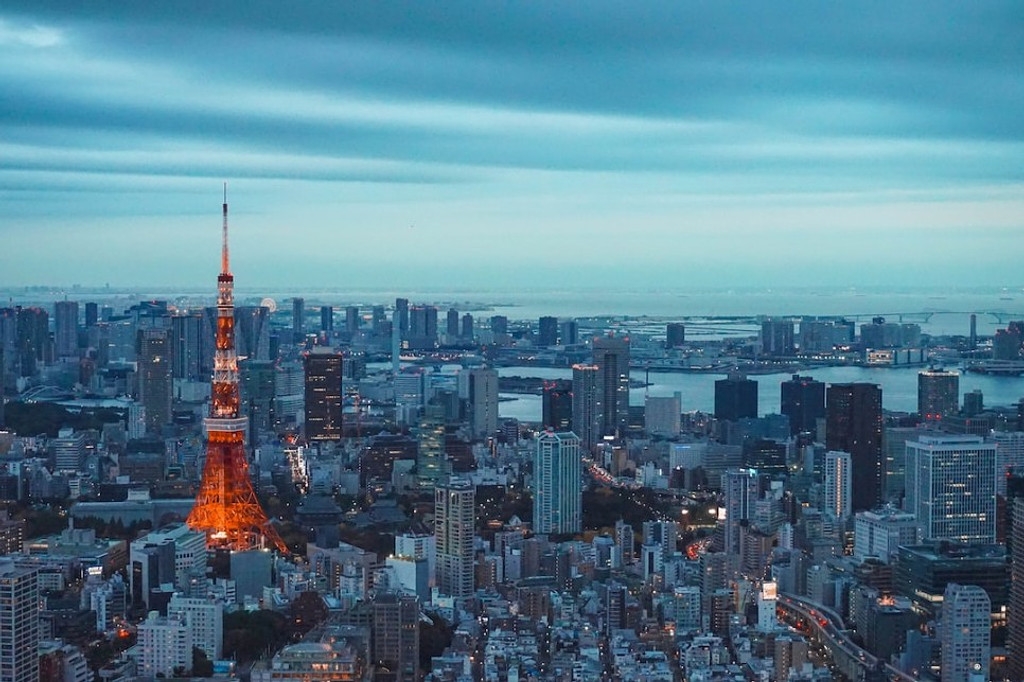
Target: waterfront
pixel 899 388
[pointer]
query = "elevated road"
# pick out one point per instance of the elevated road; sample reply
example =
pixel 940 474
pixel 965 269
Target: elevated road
pixel 826 627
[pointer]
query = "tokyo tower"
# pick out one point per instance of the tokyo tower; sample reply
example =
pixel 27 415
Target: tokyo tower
pixel 226 508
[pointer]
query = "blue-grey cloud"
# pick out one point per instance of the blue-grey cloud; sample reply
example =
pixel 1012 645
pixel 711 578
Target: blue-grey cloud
pixel 493 115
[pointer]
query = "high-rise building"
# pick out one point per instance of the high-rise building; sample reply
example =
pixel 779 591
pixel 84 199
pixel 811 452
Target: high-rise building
pixel 741 490
pixel 19 623
pixel 881 533
pixel 452 325
pixel 327 319
pixel 454 530
pixel 586 405
pixel 965 633
pixel 853 423
pixel 252 332
pixel 481 392
pixel 803 401
pixel 422 333
pixel 69 450
pixel 557 484
pixel 556 409
pixel 156 387
pixel 662 416
pixel 777 337
pixel 569 332
pixel 352 320
pixel 1015 617
pixel 203 618
pixel 735 398
pixel 164 646
pixel 611 357
pixel 951 488
pixel 837 489
pixel 65 320
pixel 499 325
pixel 33 339
pixel 323 371
pixel 938 394
pixel 467 327
pixel 402 313
pixel 92 314
pixel 547 331
pixel 188 347
pixel 431 464
pixel 675 334
pixel 298 319
pixel 396 641
pixel 974 403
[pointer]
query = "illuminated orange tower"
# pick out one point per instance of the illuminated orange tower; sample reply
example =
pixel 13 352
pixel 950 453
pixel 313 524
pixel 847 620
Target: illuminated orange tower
pixel 226 507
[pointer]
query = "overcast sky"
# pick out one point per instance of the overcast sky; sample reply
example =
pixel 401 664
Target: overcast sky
pixel 520 144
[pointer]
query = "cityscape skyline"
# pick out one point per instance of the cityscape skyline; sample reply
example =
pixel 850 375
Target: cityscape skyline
pixel 671 141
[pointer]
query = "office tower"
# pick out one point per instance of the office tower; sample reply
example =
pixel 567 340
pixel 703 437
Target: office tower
pixel 454 529
pixel 569 332
pixel 556 407
pixel 881 533
pixel 378 318
pixel 187 347
pixel 298 319
pixel 965 632
pixel 323 371
pixel 155 384
pixel 226 508
pixel 611 357
pixel 65 320
pixel 951 487
pixel 257 391
pixel 69 450
pixel 586 405
pixel 547 331
pixel 92 314
pixel 396 641
pixel 663 534
pixel 974 403
pixel 1015 617
pixel 662 416
pixel 741 490
pixel 452 325
pixel 675 334
pixel 467 327
pixel 557 484
pixel 422 333
pixel 480 388
pixel 402 311
pixel 938 394
pixel 853 423
pixel 837 492
pixel 777 337
pixel 203 618
pixel 973 338
pixel 164 646
pixel 252 333
pixel 499 325
pixel 19 623
pixel 327 319
pixel 352 320
pixel 32 339
pixel 803 401
pixel 173 554
pixel 735 398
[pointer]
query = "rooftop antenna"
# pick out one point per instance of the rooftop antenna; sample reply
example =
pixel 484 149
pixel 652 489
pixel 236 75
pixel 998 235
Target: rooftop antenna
pixel 224 249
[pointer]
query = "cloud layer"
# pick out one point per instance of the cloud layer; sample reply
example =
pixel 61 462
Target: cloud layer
pixel 587 141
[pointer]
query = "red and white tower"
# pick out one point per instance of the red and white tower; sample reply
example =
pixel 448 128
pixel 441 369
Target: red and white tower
pixel 226 507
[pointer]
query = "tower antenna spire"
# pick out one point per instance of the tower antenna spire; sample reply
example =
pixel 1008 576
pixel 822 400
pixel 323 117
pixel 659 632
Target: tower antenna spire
pixel 224 268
